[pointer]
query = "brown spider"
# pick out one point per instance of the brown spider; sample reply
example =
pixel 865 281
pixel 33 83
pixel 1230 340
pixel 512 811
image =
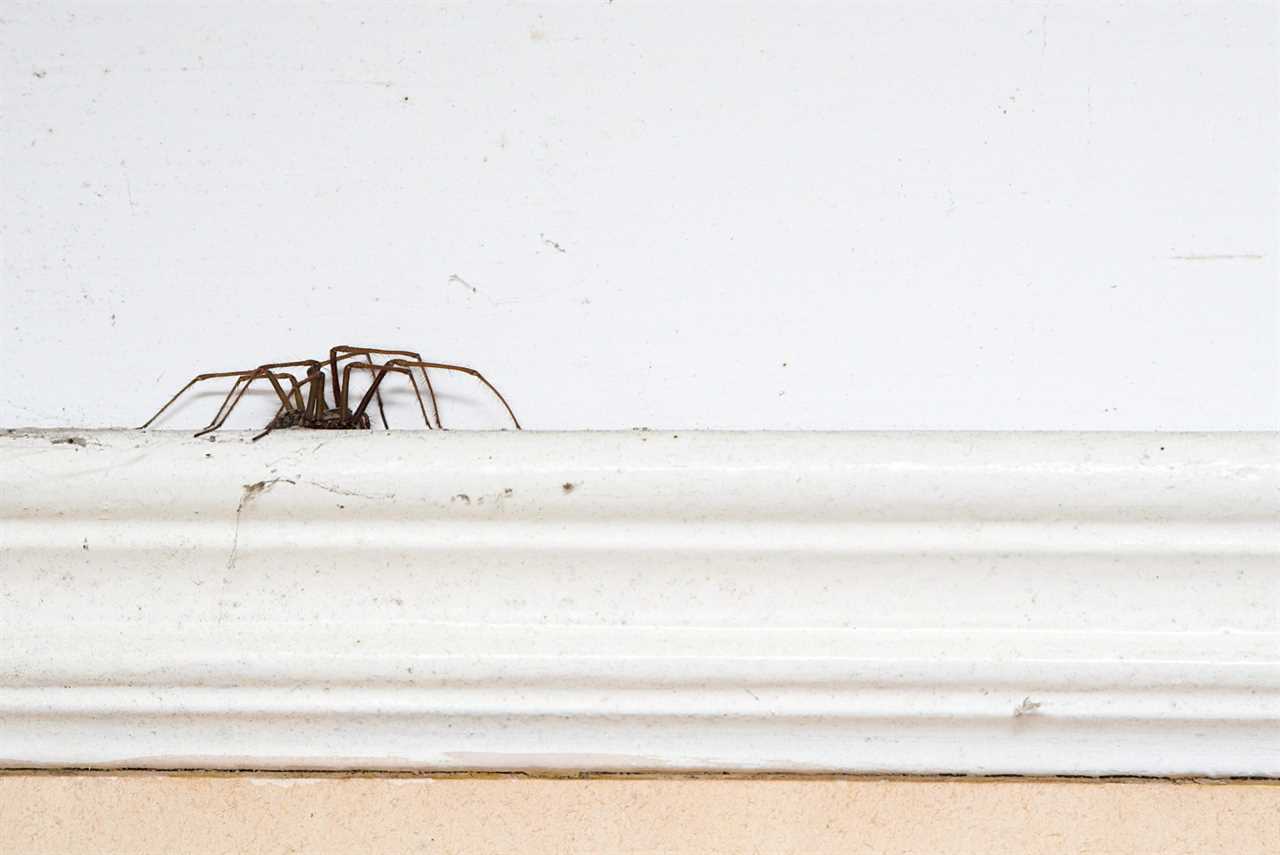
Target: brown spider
pixel 303 402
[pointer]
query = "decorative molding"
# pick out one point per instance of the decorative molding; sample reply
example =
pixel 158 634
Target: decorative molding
pixel 856 602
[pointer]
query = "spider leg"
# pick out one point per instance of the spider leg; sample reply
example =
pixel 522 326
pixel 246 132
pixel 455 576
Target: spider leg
pixel 256 374
pixel 238 374
pixel 465 370
pixel 280 411
pixel 311 365
pixel 314 401
pixel 198 378
pixel 230 392
pixel 377 381
pixel 381 412
pixel 285 403
pixel 302 404
pixel 431 391
pixel 343 351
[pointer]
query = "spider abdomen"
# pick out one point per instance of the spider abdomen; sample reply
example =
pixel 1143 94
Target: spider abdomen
pixel 333 419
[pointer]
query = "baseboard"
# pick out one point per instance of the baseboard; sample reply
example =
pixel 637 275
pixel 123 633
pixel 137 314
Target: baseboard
pixel 1049 604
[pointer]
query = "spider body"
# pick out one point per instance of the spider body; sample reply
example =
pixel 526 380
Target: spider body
pixel 303 402
pixel 330 419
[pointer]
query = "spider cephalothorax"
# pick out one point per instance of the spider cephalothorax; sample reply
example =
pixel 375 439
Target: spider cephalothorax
pixel 303 401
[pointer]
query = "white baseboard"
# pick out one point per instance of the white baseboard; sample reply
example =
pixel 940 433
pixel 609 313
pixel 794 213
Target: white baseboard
pixel 860 602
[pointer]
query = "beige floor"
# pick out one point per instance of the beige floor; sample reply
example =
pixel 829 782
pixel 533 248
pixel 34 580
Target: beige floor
pixel 155 813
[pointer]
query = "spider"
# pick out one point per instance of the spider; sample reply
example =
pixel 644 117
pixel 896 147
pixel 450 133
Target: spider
pixel 303 402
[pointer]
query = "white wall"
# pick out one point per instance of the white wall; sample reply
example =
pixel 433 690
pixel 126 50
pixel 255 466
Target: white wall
pixel 750 215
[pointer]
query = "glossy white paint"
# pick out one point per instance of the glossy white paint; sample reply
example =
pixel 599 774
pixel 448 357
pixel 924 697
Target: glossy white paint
pixel 975 603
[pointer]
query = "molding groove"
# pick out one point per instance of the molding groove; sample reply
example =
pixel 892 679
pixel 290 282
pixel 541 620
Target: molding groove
pixel 859 602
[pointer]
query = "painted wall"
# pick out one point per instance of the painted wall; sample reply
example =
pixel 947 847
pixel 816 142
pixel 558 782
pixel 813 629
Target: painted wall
pixel 732 215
